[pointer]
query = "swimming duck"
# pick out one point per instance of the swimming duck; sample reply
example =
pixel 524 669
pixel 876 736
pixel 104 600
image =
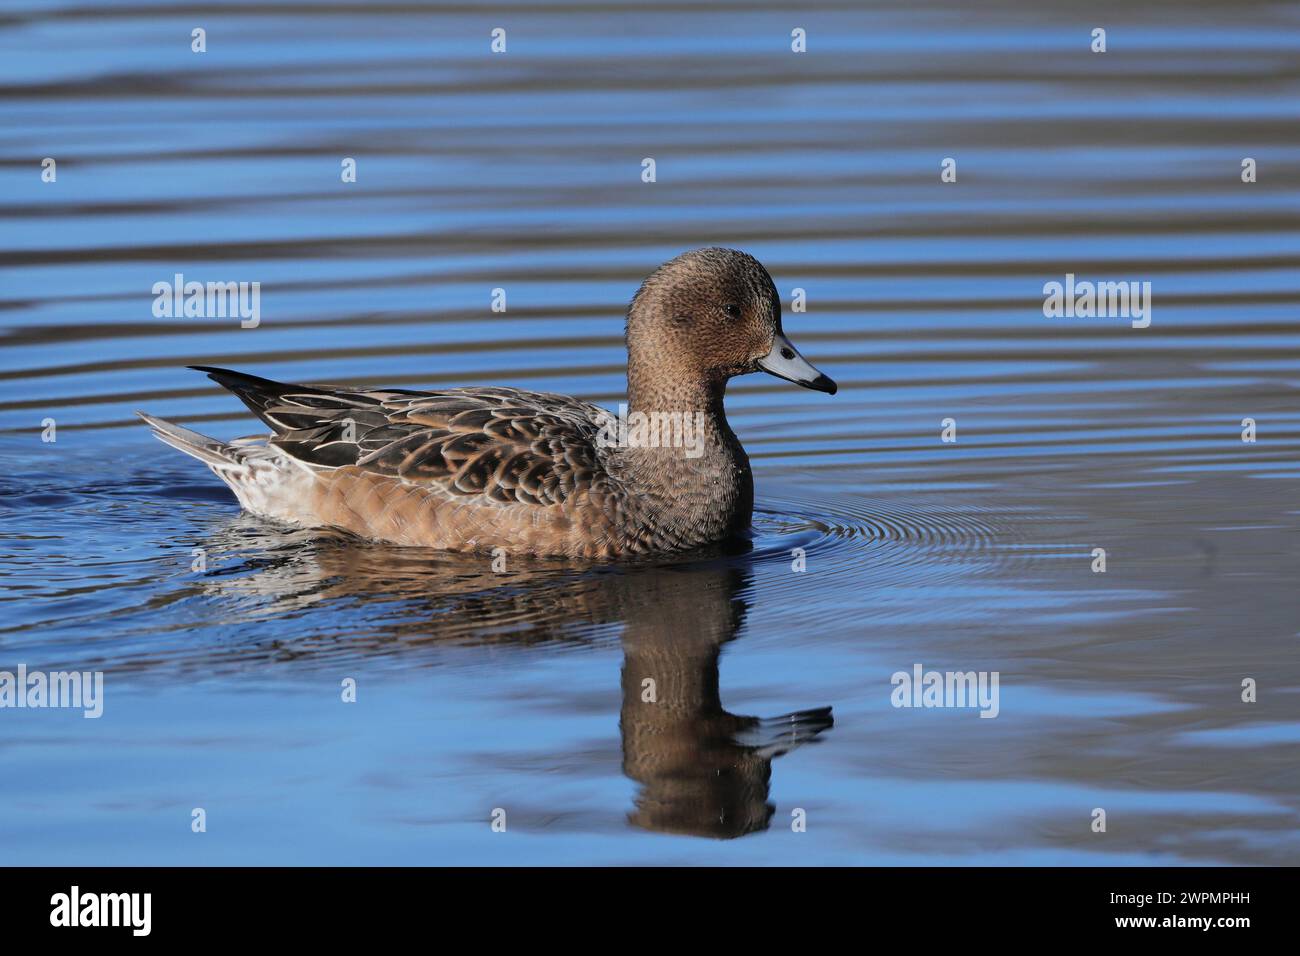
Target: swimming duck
pixel 477 469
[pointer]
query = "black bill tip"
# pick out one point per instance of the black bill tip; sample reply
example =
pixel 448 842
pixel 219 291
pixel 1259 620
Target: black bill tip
pixel 822 383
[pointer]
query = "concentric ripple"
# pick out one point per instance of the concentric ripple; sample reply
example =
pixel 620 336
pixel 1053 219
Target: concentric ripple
pixel 897 535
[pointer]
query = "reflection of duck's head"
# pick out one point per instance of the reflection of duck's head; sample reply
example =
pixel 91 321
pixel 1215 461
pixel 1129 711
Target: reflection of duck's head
pixel 703 771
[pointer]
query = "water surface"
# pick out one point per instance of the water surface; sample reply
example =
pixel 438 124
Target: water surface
pixel 477 691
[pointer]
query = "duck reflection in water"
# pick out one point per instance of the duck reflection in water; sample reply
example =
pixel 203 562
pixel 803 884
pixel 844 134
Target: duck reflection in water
pixel 700 769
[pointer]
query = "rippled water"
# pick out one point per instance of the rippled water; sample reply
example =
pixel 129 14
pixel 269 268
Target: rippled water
pixel 522 171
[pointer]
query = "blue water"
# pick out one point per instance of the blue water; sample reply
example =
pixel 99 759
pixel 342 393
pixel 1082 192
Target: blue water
pixel 477 692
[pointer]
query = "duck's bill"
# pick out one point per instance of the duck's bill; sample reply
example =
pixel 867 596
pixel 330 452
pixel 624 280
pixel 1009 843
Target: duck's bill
pixel 784 361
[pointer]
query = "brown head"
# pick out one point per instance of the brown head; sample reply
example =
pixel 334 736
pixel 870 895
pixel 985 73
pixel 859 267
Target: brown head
pixel 699 320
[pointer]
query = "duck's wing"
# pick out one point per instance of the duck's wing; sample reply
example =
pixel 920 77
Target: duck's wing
pixel 506 444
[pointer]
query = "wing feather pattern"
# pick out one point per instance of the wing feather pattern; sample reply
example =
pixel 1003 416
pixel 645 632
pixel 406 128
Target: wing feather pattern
pixel 504 444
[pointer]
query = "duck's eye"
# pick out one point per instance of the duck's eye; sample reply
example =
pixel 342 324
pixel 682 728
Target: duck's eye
pixel 732 310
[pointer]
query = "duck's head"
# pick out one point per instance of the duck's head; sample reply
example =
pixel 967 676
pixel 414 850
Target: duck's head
pixel 711 314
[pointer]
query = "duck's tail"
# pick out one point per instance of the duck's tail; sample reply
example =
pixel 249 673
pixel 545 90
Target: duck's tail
pixel 264 480
pixel 217 454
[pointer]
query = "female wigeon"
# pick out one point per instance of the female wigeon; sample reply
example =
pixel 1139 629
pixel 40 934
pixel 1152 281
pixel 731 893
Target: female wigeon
pixel 475 469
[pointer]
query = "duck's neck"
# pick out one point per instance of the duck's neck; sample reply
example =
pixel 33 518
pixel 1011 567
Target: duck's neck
pixel 691 481
pixel 696 401
pixel 651 390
